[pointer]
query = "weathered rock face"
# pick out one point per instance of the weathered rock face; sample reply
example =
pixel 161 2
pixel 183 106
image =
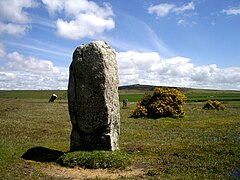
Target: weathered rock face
pixel 93 98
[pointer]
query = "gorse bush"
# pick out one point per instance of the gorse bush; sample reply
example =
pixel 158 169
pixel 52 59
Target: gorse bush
pixel 214 105
pixel 95 159
pixel 162 103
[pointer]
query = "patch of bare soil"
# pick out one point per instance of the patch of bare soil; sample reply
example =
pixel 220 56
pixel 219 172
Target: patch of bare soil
pixel 77 173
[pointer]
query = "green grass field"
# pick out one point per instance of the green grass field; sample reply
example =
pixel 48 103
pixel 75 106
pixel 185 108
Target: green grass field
pixel 32 94
pixel 132 95
pixel 205 144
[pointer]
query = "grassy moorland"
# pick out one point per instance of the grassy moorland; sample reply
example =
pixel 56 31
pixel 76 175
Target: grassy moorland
pixel 205 144
pixel 132 95
pixel 32 94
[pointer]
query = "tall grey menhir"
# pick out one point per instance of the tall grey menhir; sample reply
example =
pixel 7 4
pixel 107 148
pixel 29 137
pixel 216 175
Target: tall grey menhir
pixel 93 98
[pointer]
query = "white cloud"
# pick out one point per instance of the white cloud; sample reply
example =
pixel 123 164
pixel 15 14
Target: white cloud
pixel 17 61
pixel 164 9
pixel 138 60
pixel 232 11
pixel 149 68
pixel 5 76
pixel 82 18
pixel 13 29
pixel 187 7
pixel 85 25
pixel 26 72
pixel 13 16
pixel 161 9
pixel 53 5
pixel 13 10
pixel 184 23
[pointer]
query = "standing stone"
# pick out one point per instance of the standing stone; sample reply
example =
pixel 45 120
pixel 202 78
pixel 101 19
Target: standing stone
pixel 52 98
pixel 93 98
pixel 125 103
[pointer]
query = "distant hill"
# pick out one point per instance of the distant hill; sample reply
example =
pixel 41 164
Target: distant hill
pixel 135 92
pixel 137 87
pixel 140 87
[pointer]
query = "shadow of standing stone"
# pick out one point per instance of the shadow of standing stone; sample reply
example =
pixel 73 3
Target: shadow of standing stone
pixel 93 98
pixel 41 154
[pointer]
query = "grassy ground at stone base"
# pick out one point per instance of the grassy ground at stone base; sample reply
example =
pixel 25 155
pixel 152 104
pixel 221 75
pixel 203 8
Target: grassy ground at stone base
pixel 205 144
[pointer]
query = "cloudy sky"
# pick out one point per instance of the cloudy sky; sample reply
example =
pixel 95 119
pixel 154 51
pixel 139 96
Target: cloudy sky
pixel 187 43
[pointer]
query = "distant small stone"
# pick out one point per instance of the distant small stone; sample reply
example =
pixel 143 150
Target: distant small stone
pixel 125 103
pixel 52 98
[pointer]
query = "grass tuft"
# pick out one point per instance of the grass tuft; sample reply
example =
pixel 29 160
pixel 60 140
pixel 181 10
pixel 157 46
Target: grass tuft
pixel 95 159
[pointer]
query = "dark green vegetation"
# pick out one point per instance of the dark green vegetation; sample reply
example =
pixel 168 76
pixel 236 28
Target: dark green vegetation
pixel 95 159
pixel 131 97
pixel 211 95
pixel 215 95
pixel 33 94
pixel 205 144
pixel 133 93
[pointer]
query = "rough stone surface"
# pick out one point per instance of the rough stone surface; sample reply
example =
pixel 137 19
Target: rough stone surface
pixel 93 98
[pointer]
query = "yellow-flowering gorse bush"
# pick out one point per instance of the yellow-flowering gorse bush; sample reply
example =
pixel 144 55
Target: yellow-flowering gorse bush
pixel 214 105
pixel 163 103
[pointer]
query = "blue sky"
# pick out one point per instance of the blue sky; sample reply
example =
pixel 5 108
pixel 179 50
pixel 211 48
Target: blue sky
pixel 187 43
